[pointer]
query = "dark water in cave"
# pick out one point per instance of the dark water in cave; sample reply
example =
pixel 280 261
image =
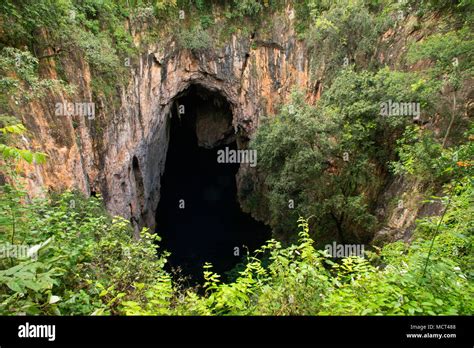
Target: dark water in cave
pixel 211 224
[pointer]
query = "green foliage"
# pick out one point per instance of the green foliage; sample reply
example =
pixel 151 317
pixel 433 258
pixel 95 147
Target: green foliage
pixel 194 39
pixel 451 66
pixel 421 156
pixel 93 29
pixel 450 52
pixel 456 7
pixel 341 31
pixel 13 153
pixel 30 288
pixel 19 79
pixel 83 256
pixel 302 149
pixel 77 260
pixel 20 84
pixel 155 299
pixel 297 281
pixel 21 21
pixel 247 8
pixel 206 21
pixel 98 51
pixel 88 264
pixel 455 239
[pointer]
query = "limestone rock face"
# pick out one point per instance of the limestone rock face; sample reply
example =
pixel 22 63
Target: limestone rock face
pixel 121 152
pixel 213 126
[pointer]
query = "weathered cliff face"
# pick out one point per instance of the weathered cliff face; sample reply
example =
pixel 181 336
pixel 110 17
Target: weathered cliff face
pixel 121 153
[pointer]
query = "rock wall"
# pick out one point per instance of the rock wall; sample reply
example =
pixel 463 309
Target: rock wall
pixel 121 153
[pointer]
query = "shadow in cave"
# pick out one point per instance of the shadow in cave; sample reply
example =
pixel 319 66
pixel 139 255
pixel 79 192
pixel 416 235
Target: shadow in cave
pixel 198 216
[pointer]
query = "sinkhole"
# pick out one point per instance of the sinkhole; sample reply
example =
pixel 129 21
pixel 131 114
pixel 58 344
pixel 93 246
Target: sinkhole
pixel 198 215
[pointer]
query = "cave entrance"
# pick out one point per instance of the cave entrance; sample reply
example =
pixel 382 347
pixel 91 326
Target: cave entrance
pixel 198 216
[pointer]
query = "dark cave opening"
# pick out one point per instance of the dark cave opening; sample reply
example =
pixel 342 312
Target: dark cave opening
pixel 198 216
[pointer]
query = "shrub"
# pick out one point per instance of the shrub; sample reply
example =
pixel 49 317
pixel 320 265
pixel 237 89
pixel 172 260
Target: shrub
pixel 194 39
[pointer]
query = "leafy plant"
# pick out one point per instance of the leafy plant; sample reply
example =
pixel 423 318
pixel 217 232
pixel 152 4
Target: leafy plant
pixel 194 39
